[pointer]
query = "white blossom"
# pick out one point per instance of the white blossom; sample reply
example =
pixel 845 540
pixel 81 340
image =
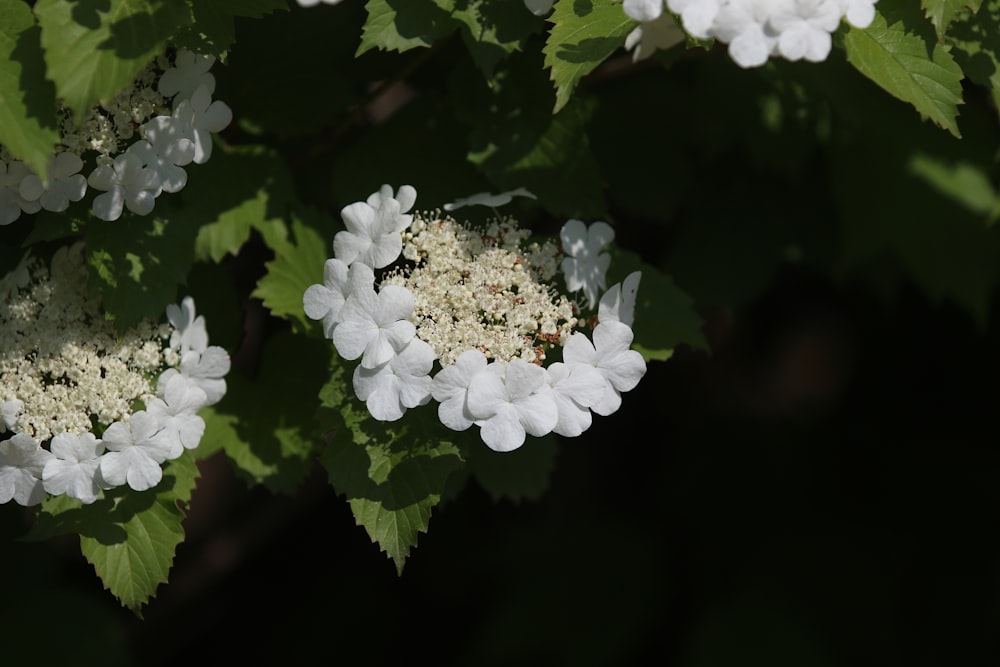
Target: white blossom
pixel 406 197
pixel 9 410
pixel 585 266
pixel 12 203
pixel 451 389
pixel 621 367
pixel 489 199
pixel 375 325
pixel 205 370
pixel 127 182
pixel 172 178
pixel 313 3
pixel 646 38
pixel 511 402
pixel 539 7
pixel 22 461
pixel 643 10
pixel 189 329
pixel 698 16
pixel 805 27
pixel 190 71
pixel 400 383
pixel 859 13
pixel 206 117
pixel 618 303
pixel 74 469
pixel 324 302
pixel 373 235
pixel 575 388
pixel 64 184
pixel 176 413
pixel 135 452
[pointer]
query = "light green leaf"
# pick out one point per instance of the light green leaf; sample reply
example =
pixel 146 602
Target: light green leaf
pixel 297 265
pixel 128 536
pixel 94 48
pixel 28 127
pixel 584 33
pixel 665 317
pixel 265 427
pixel 909 65
pixel 393 473
pixel 401 25
pixel 942 12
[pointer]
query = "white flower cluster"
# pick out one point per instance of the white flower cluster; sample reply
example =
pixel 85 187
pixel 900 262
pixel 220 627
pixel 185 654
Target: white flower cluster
pixel 482 306
pixel 753 29
pixel 70 387
pixel 140 153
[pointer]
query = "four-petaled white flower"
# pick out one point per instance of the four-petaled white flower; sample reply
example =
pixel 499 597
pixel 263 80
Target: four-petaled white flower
pixel 204 117
pixel 189 330
pixel 406 197
pixel 172 178
pixel 374 324
pixel 324 302
pixel 510 401
pixel 205 370
pixel 373 235
pixel 618 303
pixel 620 367
pixel 658 34
pixel 190 71
pixel 176 413
pixel 135 452
pixel 643 10
pixel 12 203
pixel 75 467
pixel 400 383
pixel 451 389
pixel 9 410
pixel 65 183
pixel 585 266
pixel 575 388
pixel 22 461
pixel 128 183
pixel 805 27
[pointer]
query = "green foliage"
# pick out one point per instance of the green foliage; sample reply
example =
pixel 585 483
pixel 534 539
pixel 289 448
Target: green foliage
pixel 93 49
pixel 27 99
pixel 129 537
pixel 212 28
pixel 942 12
pixel 584 33
pixel 900 55
pixel 393 474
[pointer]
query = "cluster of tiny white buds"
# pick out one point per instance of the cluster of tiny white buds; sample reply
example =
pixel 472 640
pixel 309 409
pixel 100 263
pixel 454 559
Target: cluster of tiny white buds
pixel 66 361
pixel 464 286
pixel 143 138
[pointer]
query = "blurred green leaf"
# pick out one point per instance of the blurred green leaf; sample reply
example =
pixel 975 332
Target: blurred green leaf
pixel 942 12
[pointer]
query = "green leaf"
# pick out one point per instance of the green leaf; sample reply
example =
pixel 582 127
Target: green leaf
pixel 265 425
pixel 942 12
pixel 297 265
pixel 128 536
pixel 491 30
pixel 393 473
pixel 976 46
pixel 584 33
pixel 212 30
pixel 401 25
pixel 28 127
pixel 665 317
pixel 136 263
pixel 909 64
pixel 94 48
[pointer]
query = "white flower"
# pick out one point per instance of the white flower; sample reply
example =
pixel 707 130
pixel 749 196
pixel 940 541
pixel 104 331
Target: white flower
pixel 176 413
pixel 12 203
pixel 646 38
pixel 406 198
pixel 451 389
pixel 621 367
pixel 74 468
pixel 575 388
pixel 172 178
pixel 9 410
pixel 190 71
pixel 22 460
pixel 511 402
pixel 324 302
pixel 538 8
pixel 206 117
pixel 805 27
pixel 618 303
pixel 189 331
pixel 743 25
pixel 643 10
pixel 128 183
pixel 313 3
pixel 697 16
pixel 172 137
pixel 65 183
pixel 375 324
pixel 205 370
pixel 585 267
pixel 373 233
pixel 859 13
pixel 135 453
pixel 488 199
pixel 400 383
